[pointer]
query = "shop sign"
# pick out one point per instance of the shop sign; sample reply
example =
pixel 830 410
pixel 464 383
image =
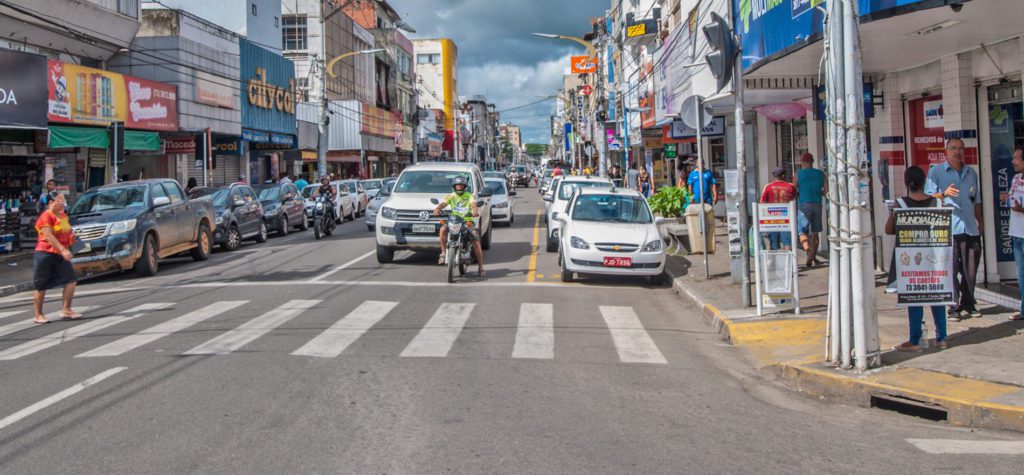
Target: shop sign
pixel 1002 119
pixel 682 131
pixel 268 89
pixel 671 150
pixel 227 146
pixel 587 90
pixel 177 145
pixel 645 27
pixel 933 113
pixel 583 64
pixel 381 122
pixel 271 141
pixel 255 136
pixel 928 136
pixel 22 93
pixel 88 96
pixel 212 90
pixel 268 96
pixel 773 218
pixel 652 143
pixel 924 256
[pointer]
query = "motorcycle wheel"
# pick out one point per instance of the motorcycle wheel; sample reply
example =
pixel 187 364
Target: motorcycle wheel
pixel 318 227
pixel 462 267
pixel 329 229
pixel 450 261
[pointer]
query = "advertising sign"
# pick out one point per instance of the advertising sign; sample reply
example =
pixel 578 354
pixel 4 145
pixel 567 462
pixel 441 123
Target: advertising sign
pixel 177 145
pixel 820 100
pixel 214 90
pixel 151 105
pixel 924 255
pixel 682 131
pixel 646 100
pixel 567 135
pixel 773 217
pixel 268 89
pixel 583 65
pixel 1002 118
pixel 927 145
pixel 22 91
pixel 88 96
pixel 587 90
pixel 382 123
pixel 803 6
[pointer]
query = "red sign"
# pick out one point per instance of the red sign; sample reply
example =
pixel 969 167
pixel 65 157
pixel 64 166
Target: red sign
pixel 583 65
pixel 151 105
pixel 587 90
pixel 927 135
pixel 177 145
pixel 618 262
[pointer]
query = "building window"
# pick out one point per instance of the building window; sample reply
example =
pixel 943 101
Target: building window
pixel 294 32
pixel 433 58
pixel 254 9
pixel 303 89
pixel 128 8
pixel 275 22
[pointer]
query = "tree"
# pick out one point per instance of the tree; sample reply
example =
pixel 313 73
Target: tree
pixel 536 150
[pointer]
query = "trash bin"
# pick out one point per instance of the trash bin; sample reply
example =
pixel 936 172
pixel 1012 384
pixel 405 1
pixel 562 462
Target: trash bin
pixel 693 228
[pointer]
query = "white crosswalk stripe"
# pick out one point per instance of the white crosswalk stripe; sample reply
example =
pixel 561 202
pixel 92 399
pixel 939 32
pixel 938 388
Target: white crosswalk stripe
pixel 631 340
pixel 91 326
pixel 333 341
pixel 157 332
pixel 253 329
pixel 29 323
pixel 10 313
pixel 439 334
pixel 535 335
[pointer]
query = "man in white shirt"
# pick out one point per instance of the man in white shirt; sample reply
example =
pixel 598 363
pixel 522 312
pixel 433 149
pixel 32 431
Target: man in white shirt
pixel 1015 200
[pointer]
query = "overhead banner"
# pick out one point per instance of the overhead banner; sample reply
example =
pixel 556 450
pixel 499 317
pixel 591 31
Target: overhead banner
pixel 88 96
pixel 924 256
pixel 583 65
pixel 22 90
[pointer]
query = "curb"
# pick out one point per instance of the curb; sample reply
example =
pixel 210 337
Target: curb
pixel 711 314
pixel 15 289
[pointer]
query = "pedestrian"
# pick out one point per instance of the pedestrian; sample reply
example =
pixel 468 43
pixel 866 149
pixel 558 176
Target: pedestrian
pixel 191 185
pixel 241 180
pixel 301 182
pixel 51 264
pixel 645 184
pixel 709 194
pixel 811 189
pixel 957 185
pixel 51 186
pixel 632 177
pixel 1015 201
pixel 779 191
pixel 556 172
pixel 917 198
pixel 285 179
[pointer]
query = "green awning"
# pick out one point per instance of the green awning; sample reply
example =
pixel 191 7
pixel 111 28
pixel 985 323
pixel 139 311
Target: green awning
pixel 93 137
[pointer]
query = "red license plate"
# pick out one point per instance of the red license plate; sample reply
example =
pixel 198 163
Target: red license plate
pixel 618 262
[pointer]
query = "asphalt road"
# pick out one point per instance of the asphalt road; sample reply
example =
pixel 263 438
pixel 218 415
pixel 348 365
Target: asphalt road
pixel 304 356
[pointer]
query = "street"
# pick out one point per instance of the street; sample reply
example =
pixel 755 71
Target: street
pixel 304 356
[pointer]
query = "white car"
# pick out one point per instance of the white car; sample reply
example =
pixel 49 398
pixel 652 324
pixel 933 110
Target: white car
pixel 373 186
pixel 502 204
pixel 359 197
pixel 375 204
pixel 407 220
pixel 562 189
pixel 344 206
pixel 611 232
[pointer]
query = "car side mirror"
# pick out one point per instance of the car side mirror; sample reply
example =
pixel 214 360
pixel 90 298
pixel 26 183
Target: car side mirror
pixel 161 201
pixel 434 201
pixel 549 198
pixel 479 202
pixel 486 193
pixel 660 220
pixel 512 193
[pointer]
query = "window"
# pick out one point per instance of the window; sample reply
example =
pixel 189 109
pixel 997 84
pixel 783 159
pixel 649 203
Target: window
pixel 275 22
pixel 174 193
pixel 254 9
pixel 294 32
pixel 157 192
pixel 432 58
pixel 128 8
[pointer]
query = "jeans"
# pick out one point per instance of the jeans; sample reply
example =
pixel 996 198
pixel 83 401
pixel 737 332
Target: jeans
pixel 916 315
pixel 1018 258
pixel 778 239
pixel 966 254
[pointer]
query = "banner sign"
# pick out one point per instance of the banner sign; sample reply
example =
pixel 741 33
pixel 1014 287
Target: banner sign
pixel 88 96
pixel 213 90
pixel 22 91
pixel 1002 119
pixel 773 217
pixel 682 131
pixel 267 89
pixel 924 256
pixel 227 146
pixel 583 65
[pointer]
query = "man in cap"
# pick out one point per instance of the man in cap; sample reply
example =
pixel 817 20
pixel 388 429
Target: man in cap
pixel 811 186
pixel 779 191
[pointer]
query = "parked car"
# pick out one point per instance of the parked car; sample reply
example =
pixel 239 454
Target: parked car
pixel 372 187
pixel 611 232
pixel 407 221
pixel 239 214
pixel 283 207
pixel 502 204
pixel 344 205
pixel 375 204
pixel 358 195
pixel 562 189
pixel 134 224
pixel 493 174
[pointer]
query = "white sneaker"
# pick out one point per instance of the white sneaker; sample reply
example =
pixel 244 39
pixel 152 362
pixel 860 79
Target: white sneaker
pixel 441 261
pixel 890 290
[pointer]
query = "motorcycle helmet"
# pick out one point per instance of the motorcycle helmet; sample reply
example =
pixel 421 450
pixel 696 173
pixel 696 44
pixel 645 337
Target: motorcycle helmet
pixel 459 180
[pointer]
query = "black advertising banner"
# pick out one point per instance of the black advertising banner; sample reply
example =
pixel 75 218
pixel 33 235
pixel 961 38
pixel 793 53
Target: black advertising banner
pixel 924 256
pixel 23 91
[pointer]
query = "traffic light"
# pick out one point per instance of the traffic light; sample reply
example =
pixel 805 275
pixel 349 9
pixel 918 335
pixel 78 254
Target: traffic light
pixel 723 49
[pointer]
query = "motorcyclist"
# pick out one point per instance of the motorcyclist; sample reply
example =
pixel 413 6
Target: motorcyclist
pixel 463 204
pixel 328 191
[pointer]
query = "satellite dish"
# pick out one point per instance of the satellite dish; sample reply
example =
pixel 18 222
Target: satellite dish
pixel 688 112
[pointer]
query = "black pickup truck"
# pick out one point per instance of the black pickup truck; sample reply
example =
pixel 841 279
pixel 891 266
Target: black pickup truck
pixel 134 224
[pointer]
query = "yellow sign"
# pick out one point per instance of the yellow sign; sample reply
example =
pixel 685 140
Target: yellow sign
pixel 268 96
pixel 639 29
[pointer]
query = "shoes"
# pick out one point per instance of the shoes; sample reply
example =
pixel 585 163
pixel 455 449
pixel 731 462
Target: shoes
pixel 942 345
pixel 974 313
pixel 890 290
pixel 1016 317
pixel 907 347
pixel 953 315
pixel 440 260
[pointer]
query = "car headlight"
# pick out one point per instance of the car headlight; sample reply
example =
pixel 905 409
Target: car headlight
pixel 121 227
pixel 654 246
pixel 501 205
pixel 389 213
pixel 578 243
pixel 220 220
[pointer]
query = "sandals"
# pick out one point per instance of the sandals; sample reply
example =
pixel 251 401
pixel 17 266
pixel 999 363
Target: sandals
pixel 907 347
pixel 1015 317
pixel 482 273
pixel 40 322
pixel 73 315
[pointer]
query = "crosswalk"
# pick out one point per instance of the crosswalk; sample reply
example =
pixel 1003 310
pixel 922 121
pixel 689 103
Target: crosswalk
pixel 535 336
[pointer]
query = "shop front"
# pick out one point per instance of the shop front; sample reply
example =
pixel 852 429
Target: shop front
pixel 269 142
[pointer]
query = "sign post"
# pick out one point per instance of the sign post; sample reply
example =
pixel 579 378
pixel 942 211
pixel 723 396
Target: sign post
pixel 924 253
pixel 775 271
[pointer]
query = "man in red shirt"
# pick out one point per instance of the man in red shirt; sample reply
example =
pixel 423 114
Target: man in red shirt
pixel 779 191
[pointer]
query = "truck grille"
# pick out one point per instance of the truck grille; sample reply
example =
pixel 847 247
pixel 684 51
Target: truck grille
pixel 90 231
pixel 610 247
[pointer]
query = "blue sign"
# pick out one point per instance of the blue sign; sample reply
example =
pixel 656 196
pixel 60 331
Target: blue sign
pixel 772 28
pixel 268 89
pixel 255 136
pixel 568 133
pixel 1002 121
pixel 820 101
pixel 227 146
pixel 280 139
pixel 611 63
pixel 611 106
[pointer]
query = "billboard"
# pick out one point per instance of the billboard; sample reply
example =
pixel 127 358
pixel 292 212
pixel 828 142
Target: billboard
pixel 88 96
pixel 22 93
pixel 583 64
pixel 268 89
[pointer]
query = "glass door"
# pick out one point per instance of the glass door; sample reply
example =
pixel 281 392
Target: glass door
pixel 1006 132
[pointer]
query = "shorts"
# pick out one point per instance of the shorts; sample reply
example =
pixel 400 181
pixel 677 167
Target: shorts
pixel 779 239
pixel 813 213
pixel 50 271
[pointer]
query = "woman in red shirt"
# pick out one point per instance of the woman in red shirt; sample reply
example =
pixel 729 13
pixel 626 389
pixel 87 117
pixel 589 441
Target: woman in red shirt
pixel 52 261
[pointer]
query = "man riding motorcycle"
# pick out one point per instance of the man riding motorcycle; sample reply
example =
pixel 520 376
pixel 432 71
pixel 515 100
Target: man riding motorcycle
pixel 327 189
pixel 463 204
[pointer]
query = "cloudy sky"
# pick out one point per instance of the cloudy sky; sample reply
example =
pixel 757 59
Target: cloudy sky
pixel 499 58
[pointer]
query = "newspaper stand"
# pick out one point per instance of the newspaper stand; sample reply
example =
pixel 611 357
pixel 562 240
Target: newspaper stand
pixel 775 272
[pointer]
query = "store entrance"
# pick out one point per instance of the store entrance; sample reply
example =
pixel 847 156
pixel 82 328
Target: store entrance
pixel 1006 132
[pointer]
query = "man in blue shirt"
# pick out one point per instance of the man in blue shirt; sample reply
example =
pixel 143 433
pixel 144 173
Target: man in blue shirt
pixel 301 182
pixel 811 188
pixel 710 192
pixel 957 185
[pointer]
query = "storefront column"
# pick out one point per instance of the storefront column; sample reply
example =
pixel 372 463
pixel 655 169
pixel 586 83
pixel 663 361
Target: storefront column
pixel 767 153
pixel 889 141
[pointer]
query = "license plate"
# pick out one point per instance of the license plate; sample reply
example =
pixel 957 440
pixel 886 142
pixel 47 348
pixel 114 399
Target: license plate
pixel 423 228
pixel 618 262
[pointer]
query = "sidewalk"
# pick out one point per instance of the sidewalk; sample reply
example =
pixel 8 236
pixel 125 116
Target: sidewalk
pixel 15 272
pixel 978 381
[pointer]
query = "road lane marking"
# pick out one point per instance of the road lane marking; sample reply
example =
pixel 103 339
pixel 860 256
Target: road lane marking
pixel 342 267
pixel 157 332
pixel 249 331
pixel 333 341
pixel 11 313
pixel 83 329
pixel 439 334
pixel 631 340
pixel 54 399
pixel 531 276
pixel 535 336
pixel 967 447
pixel 29 323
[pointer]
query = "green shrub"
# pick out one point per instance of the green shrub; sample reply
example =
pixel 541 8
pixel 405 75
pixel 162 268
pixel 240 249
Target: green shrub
pixel 670 202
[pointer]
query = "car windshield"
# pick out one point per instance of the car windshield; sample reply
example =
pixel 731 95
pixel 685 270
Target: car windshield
pixel 219 196
pixel 430 182
pixel 269 193
pixel 386 191
pixel 496 187
pixel 566 189
pixel 308 191
pixel 371 184
pixel 494 175
pixel 96 201
pixel 612 209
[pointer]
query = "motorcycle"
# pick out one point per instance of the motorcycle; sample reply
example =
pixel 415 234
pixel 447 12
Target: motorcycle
pixel 459 254
pixel 323 217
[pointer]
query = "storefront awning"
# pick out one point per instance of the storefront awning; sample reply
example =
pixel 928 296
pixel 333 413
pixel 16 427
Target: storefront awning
pixel 92 137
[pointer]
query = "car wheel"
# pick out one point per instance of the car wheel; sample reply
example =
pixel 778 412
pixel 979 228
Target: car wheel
pixel 304 223
pixel 385 255
pixel 485 242
pixel 283 230
pixel 566 273
pixel 511 219
pixel 147 263
pixel 234 239
pixel 371 228
pixel 202 250
pixel 551 245
pixel 261 237
pixel 353 213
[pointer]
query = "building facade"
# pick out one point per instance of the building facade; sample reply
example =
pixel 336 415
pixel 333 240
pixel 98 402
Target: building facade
pixel 437 84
